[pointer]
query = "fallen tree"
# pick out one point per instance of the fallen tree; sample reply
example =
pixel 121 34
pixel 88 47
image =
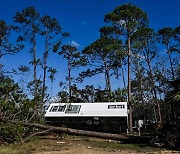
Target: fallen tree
pixel 18 117
pixel 47 128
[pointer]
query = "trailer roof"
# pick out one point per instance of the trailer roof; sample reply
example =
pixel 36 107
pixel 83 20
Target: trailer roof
pixel 97 109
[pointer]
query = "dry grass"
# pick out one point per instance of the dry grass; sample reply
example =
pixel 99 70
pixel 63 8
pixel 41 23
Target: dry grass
pixel 73 145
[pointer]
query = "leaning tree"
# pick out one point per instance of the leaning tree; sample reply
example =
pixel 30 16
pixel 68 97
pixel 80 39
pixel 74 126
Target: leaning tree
pixel 29 27
pixel 127 19
pixel 52 31
pixel 144 43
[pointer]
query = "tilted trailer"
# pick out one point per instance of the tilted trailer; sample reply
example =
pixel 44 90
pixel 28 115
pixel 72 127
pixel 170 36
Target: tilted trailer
pixel 109 117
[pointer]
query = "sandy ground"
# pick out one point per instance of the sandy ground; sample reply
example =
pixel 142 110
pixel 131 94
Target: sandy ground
pixel 82 150
pixel 79 146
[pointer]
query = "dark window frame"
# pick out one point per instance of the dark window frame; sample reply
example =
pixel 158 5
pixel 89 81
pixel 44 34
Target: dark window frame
pixel 73 109
pixel 121 106
pixel 54 109
pixel 63 107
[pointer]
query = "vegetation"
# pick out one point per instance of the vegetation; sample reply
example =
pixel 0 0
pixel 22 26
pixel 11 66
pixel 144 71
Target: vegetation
pixel 151 58
pixel 127 19
pixel 69 144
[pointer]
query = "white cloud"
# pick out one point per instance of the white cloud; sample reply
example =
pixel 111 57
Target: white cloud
pixel 73 43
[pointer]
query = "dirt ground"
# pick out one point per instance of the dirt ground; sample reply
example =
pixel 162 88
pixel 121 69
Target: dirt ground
pixel 79 145
pixel 80 148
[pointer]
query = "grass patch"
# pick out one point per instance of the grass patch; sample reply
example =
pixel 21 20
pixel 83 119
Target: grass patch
pixel 129 147
pixel 35 145
pixel 38 144
pixel 110 144
pixel 8 150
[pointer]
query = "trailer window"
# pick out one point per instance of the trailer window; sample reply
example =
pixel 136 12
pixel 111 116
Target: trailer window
pixel 61 108
pixel 111 106
pixel 53 109
pixel 120 106
pixel 73 109
pixel 116 106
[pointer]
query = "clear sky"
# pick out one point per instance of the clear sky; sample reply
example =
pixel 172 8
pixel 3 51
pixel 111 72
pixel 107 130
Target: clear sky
pixel 83 19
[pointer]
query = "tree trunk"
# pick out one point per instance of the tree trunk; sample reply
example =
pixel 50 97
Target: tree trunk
pixel 80 132
pixel 69 81
pixel 129 84
pixel 107 77
pixel 141 94
pixel 108 82
pixel 35 67
pixel 122 71
pixel 154 92
pixel 171 65
pixel 44 68
pixel 44 79
pixel 71 131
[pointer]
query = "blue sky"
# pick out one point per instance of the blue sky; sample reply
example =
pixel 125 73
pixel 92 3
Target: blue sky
pixel 83 19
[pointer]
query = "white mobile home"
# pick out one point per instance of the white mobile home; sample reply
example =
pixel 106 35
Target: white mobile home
pixel 100 116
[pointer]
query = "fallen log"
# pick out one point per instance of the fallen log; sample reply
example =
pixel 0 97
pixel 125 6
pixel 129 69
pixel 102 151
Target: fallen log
pixel 72 131
pixel 80 132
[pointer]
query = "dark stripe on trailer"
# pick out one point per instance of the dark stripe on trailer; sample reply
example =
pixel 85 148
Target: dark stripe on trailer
pixel 100 124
